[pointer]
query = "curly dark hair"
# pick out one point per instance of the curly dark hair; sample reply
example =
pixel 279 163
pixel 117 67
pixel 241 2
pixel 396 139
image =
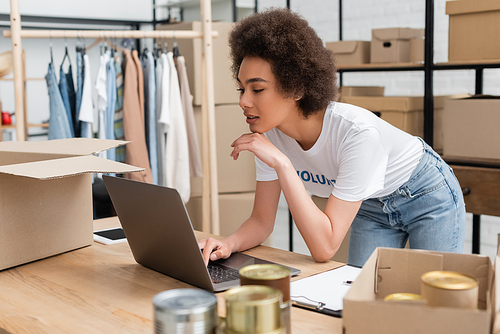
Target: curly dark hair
pixel 299 61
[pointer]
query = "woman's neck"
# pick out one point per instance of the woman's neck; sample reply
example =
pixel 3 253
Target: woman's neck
pixel 305 131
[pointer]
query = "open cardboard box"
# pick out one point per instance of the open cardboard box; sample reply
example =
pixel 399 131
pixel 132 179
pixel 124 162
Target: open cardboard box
pixel 46 196
pixel 391 270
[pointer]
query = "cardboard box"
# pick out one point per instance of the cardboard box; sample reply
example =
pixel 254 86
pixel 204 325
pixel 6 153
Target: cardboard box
pixel 233 176
pixel 350 52
pixel 234 209
pixel 46 196
pixel 361 91
pixel 473 29
pixel 398 270
pixel 417 50
pixel 224 84
pixel 470 127
pixel 405 113
pixel 392 45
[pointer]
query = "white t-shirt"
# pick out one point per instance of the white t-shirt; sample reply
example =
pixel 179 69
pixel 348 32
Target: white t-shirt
pixel 357 155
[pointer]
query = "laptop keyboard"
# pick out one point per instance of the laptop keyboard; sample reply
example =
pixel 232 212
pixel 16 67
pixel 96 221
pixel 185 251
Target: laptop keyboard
pixel 221 274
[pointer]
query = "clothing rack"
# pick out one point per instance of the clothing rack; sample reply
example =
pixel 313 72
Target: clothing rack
pixel 210 191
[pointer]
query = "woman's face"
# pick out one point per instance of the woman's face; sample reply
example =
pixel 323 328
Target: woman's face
pixel 263 106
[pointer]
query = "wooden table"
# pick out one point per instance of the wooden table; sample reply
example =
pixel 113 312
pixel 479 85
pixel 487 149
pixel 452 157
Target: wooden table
pixel 101 289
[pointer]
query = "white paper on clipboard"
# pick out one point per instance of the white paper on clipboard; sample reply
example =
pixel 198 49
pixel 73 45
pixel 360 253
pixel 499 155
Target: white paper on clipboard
pixel 327 287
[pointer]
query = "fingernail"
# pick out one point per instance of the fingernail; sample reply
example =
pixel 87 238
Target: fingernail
pixel 213 256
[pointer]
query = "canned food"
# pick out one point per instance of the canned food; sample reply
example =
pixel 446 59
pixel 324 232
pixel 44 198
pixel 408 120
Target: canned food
pixel 448 288
pixel 185 311
pixel 403 296
pixel 272 275
pixel 252 309
pixel 275 276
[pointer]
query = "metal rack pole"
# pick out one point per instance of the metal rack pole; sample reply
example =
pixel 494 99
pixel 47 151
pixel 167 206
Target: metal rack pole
pixel 429 73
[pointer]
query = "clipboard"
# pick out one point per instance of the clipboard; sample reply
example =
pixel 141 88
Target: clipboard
pixel 324 292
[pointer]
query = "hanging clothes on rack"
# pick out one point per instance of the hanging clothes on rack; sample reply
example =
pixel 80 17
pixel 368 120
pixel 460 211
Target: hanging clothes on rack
pixel 133 123
pixel 102 98
pixel 67 90
pixel 163 116
pixel 86 109
pixel 140 81
pixel 79 88
pixel 150 111
pixel 118 124
pixel 58 121
pixel 177 150
pixel 195 168
pixel 111 105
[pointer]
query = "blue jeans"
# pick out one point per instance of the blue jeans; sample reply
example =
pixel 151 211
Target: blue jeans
pixel 63 87
pixel 58 122
pixel 428 210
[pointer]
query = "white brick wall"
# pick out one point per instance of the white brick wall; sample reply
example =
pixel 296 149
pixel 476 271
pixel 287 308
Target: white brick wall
pixel 359 17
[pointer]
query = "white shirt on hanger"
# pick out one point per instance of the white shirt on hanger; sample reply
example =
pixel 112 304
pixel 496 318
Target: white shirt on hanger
pixel 165 89
pixel 102 98
pixel 86 108
pixel 162 114
pixel 177 149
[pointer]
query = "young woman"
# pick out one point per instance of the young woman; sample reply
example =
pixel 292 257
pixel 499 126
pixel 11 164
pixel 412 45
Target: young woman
pixel 385 184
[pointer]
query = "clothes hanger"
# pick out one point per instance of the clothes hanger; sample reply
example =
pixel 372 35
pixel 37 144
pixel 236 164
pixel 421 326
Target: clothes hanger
pixel 66 54
pixel 51 53
pixel 176 47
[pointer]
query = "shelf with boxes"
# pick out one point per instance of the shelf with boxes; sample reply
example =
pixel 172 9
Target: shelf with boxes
pixel 477 49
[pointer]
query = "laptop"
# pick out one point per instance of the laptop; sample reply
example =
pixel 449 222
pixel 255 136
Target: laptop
pixel 162 238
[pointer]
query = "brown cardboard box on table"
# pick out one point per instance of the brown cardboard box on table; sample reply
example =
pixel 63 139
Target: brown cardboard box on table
pixel 46 196
pixel 224 85
pixel 473 29
pixel 405 112
pixel 233 175
pixel 470 128
pixel 398 270
pixel 350 52
pixel 392 45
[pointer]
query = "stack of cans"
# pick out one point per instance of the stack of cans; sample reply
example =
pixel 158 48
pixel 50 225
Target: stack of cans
pixel 275 276
pixel 252 309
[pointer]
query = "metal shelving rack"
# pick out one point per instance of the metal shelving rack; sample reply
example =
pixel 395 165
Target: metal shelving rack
pixel 429 67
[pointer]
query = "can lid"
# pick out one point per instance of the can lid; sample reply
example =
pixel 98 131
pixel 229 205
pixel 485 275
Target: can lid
pixel 178 301
pixel 265 271
pixel 403 296
pixel 449 280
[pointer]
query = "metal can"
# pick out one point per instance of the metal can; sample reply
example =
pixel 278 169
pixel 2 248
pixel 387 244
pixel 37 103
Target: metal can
pixel 252 309
pixel 185 311
pixel 403 297
pixel 450 289
pixel 275 276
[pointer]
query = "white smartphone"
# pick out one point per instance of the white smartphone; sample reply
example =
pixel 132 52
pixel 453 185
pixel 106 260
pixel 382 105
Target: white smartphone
pixel 110 236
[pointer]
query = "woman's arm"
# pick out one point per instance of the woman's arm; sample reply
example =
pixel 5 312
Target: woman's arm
pixel 323 232
pixel 253 231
